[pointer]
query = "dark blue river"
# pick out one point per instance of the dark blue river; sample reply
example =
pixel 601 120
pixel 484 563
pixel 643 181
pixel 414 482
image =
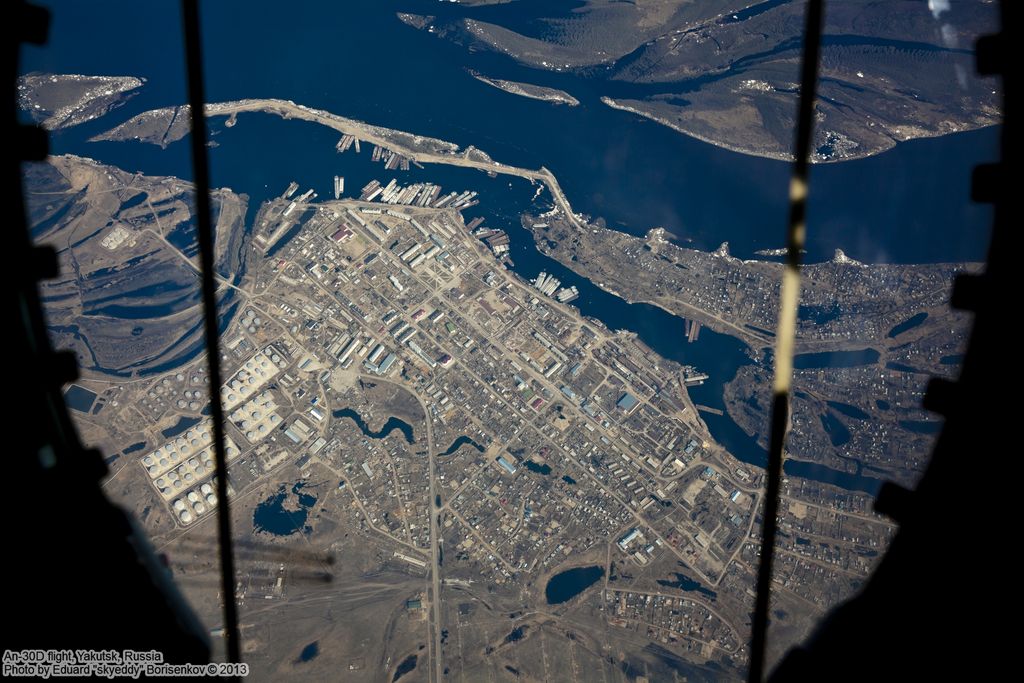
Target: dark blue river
pixel 358 60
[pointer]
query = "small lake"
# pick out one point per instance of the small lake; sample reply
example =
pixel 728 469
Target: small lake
pixel 459 443
pixel 908 324
pixel 273 518
pixel 685 583
pixel 310 651
pixel 922 426
pixel 183 424
pixel 835 359
pixel 570 583
pixel 536 468
pixel 848 410
pixel 407 665
pixel 79 398
pixel 391 425
pixel 837 432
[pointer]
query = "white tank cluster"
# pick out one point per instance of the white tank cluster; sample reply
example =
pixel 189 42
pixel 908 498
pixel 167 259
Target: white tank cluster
pixel 193 470
pixel 258 418
pixel 191 399
pixel 276 358
pixel 194 503
pixel 194 399
pixel 251 321
pixel 182 469
pixel 170 454
pixel 253 374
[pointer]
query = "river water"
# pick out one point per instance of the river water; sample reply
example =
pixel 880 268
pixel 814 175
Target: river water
pixel 357 60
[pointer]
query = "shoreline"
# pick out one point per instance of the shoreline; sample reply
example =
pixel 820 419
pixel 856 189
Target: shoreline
pixel 614 104
pixel 429 150
pixel 385 137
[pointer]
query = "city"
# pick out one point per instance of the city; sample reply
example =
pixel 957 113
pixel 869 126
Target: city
pixel 482 434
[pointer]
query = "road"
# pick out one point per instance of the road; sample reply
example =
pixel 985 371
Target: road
pixel 435 553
